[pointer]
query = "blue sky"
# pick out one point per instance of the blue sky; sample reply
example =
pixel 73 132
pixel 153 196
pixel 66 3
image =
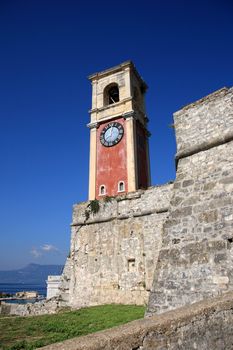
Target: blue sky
pixel 182 49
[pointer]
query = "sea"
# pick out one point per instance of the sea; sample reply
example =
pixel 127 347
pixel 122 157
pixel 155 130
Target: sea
pixel 13 288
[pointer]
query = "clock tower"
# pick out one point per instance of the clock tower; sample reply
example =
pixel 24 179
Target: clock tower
pixel 119 154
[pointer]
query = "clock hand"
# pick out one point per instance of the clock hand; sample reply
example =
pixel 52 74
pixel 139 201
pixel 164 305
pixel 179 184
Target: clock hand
pixel 109 136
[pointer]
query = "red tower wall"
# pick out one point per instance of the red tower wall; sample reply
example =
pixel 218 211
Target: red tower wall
pixel 142 156
pixel 111 163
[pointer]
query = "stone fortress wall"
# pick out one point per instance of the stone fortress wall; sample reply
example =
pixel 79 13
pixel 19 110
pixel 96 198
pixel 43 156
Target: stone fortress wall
pixel 196 259
pixel 173 243
pixel 178 236
pixel 113 252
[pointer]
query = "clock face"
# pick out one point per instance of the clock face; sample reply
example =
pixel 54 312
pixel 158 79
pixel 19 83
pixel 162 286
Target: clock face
pixel 111 134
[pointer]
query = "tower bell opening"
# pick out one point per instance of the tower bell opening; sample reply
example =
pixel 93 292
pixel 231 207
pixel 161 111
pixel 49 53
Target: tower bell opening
pixel 111 94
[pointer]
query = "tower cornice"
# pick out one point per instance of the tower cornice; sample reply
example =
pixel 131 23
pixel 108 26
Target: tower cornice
pixel 100 109
pixel 123 66
pixel 111 70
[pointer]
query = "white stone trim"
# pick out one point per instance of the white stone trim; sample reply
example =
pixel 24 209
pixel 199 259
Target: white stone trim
pixel 131 154
pixel 92 163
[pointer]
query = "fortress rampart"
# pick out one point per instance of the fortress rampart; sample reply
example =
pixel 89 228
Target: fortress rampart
pixel 113 252
pixel 177 237
pixel 173 243
pixel 196 258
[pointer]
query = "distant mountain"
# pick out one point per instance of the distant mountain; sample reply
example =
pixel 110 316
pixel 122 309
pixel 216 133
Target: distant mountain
pixel 30 274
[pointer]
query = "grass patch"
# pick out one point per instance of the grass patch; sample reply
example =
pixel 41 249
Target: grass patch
pixel 35 331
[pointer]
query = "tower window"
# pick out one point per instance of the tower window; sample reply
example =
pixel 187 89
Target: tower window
pixel 102 190
pixel 121 186
pixel 111 94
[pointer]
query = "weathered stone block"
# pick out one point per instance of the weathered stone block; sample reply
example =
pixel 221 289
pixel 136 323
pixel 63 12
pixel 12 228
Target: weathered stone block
pixel 187 183
pixel 184 211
